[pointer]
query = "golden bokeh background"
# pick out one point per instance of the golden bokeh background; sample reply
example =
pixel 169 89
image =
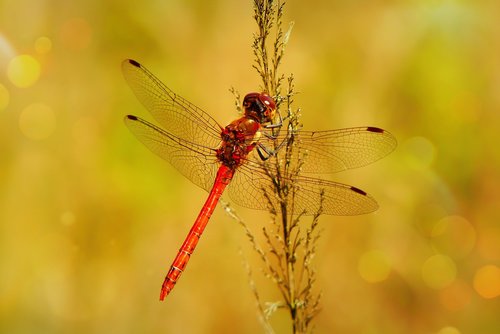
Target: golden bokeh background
pixel 90 220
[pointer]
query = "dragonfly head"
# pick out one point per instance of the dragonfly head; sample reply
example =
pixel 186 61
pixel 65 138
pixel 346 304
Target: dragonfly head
pixel 259 106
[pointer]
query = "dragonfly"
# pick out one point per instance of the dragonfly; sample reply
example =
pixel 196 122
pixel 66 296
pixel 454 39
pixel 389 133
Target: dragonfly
pixel 235 156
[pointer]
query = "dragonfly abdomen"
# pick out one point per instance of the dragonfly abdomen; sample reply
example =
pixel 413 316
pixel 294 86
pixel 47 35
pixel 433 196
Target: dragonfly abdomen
pixel 224 176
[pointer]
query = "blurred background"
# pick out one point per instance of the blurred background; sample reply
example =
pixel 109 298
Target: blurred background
pixel 90 220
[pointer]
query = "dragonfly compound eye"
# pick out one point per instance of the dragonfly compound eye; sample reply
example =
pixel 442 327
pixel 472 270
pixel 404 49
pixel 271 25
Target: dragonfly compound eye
pixel 267 101
pixel 250 99
pixel 259 106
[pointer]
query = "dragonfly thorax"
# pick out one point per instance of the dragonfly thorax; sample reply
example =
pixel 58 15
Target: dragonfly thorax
pixel 238 139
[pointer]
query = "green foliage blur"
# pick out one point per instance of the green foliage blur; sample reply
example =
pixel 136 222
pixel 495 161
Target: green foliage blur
pixel 90 219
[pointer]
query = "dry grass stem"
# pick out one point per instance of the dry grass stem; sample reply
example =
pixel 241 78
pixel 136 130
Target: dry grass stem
pixel 288 244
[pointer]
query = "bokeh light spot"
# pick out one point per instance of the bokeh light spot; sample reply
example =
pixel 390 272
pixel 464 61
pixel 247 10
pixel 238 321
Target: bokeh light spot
pixel 373 266
pixel 6 48
pixel 23 71
pixel 449 330
pixel 76 34
pixel 489 243
pixel 456 296
pixel 454 235
pixel 43 45
pixel 439 271
pixel 487 281
pixel 4 97
pixel 37 121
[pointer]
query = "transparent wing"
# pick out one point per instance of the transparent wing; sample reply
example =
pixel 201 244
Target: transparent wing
pixel 251 182
pixel 337 150
pixel 338 199
pixel 196 162
pixel 177 116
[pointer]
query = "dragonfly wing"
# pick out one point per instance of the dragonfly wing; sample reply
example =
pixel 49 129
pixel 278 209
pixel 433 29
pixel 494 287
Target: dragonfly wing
pixel 248 186
pixel 198 163
pixel 251 187
pixel 331 198
pixel 337 150
pixel 176 115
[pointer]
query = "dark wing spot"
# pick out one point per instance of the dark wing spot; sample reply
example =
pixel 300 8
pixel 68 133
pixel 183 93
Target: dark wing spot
pixel 359 191
pixel 374 129
pixel 132 117
pixel 133 62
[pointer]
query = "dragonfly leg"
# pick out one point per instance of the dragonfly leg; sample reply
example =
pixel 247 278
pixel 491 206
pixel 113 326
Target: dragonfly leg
pixel 265 152
pixel 261 148
pixel 275 125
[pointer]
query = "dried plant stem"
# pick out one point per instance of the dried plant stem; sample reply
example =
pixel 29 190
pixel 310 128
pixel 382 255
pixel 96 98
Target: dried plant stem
pixel 288 247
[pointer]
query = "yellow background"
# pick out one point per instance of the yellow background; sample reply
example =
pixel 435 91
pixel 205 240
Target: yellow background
pixel 90 220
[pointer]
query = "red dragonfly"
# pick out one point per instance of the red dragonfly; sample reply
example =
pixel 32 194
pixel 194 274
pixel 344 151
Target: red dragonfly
pixel 212 156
